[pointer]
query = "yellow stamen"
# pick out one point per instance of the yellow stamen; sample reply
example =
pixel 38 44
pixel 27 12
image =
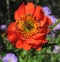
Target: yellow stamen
pixel 28 25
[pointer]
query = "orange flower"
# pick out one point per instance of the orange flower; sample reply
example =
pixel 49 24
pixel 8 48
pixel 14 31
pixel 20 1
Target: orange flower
pixel 30 28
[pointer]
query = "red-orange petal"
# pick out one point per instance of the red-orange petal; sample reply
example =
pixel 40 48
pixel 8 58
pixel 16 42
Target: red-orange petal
pixel 39 48
pixel 43 21
pixel 12 38
pixel 41 41
pixel 44 30
pixel 29 8
pixel 39 13
pixel 36 42
pixel 38 35
pixel 19 12
pixel 49 21
pixel 19 44
pixel 30 41
pixel 12 27
pixel 26 46
pixel 23 44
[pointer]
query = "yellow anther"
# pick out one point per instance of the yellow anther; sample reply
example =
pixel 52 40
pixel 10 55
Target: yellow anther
pixel 28 25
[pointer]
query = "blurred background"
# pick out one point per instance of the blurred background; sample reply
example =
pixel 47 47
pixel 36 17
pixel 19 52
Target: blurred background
pixel 50 51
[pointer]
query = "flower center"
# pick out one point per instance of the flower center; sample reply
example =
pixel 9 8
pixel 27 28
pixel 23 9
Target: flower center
pixel 10 60
pixel 28 26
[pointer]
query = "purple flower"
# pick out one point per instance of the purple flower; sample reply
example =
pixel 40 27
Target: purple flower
pixel 51 34
pixel 3 27
pixel 47 10
pixel 56 49
pixel 10 57
pixel 53 18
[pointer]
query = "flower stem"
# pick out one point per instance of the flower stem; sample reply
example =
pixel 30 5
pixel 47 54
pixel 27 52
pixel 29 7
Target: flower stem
pixel 53 26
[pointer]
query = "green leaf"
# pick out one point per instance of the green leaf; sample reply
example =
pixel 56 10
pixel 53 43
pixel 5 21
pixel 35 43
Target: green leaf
pixel 58 39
